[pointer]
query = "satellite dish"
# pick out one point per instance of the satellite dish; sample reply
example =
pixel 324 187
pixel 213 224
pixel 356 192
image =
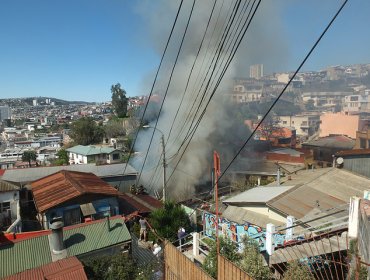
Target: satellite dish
pixel 339 160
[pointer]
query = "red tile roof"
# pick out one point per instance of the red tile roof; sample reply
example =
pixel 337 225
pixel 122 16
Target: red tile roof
pixel 354 152
pixel 70 268
pixel 64 185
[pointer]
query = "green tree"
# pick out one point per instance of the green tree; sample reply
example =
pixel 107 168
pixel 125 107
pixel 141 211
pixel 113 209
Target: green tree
pixel 63 158
pixel 253 263
pixel 297 271
pixel 310 105
pixel 29 156
pixel 228 249
pixel 114 128
pixel 85 131
pixel 167 220
pixel 115 267
pixel 119 100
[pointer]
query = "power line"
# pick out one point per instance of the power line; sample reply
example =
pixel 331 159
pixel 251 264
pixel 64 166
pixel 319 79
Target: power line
pixel 219 80
pixel 151 91
pixel 286 86
pixel 169 82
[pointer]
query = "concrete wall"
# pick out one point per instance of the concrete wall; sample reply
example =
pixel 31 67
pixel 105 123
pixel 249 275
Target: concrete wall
pixel 338 123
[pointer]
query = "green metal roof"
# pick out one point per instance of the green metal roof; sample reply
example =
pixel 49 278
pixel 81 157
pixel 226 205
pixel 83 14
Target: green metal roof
pixel 90 150
pixel 95 236
pixel 23 255
pixel 34 252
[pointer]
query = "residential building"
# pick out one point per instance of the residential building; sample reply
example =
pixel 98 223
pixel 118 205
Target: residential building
pixel 340 124
pixel 256 71
pixel 93 154
pixel 5 113
pixel 363 139
pixel 304 124
pixel 110 173
pixel 327 99
pixel 325 148
pixel 355 104
pixel 23 251
pixel 9 205
pixel 73 196
pixel 356 160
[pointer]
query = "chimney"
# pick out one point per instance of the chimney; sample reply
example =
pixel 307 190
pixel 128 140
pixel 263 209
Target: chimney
pixel 56 243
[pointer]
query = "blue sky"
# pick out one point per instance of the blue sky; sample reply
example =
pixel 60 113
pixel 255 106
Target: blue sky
pixel 76 49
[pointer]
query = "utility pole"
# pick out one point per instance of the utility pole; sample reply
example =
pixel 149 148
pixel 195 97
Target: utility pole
pixel 164 168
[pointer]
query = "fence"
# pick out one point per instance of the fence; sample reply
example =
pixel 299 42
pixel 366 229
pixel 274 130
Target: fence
pixel 227 270
pixel 179 267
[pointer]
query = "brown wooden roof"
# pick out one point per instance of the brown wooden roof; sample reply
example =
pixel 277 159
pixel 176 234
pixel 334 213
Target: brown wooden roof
pixel 64 185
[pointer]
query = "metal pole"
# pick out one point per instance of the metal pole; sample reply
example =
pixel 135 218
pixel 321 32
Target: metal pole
pixel 164 169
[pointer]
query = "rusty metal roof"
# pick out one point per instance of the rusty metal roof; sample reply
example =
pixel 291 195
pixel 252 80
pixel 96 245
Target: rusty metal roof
pixel 64 185
pixel 143 203
pixel 70 268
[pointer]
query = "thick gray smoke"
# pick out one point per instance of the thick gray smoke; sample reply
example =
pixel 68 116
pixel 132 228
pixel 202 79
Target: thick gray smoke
pixel 218 129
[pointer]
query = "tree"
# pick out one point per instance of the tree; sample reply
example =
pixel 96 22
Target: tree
pixel 29 156
pixel 119 100
pixel 63 158
pixel 167 220
pixel 114 128
pixel 116 267
pixel 85 132
pixel 310 105
pixel 297 271
pixel 252 261
pixel 228 249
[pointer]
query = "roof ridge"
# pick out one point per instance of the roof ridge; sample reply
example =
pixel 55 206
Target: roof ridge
pixel 74 182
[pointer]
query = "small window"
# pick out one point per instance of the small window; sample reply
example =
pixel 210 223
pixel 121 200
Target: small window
pixel 362 143
pixel 116 156
pixel 4 206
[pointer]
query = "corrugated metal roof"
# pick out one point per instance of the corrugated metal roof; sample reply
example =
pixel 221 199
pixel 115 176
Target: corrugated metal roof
pixel 19 256
pixel 302 200
pixel 90 150
pixel 257 195
pixel 7 187
pixel 95 235
pixel 323 188
pixel 78 239
pixel 340 141
pixel 70 268
pixel 240 216
pixel 60 187
pixel 32 174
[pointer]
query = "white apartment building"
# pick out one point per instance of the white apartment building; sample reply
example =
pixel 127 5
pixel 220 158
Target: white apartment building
pixel 305 124
pixel 357 103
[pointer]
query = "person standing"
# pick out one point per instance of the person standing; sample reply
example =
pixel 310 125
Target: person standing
pixel 143 228
pixel 180 235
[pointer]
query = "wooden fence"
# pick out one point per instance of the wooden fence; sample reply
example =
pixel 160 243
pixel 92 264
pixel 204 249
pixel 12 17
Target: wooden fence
pixel 227 270
pixel 179 267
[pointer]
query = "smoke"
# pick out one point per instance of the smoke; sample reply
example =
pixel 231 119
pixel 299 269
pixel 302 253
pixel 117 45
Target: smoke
pixel 219 129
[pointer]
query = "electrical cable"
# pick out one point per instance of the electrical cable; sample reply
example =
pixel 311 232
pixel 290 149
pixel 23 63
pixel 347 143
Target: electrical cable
pixel 165 95
pixel 151 91
pixel 284 89
pixel 218 82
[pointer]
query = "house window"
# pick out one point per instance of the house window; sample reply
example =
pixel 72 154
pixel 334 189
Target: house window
pixel 72 216
pixel 116 156
pixel 4 207
pixel 285 122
